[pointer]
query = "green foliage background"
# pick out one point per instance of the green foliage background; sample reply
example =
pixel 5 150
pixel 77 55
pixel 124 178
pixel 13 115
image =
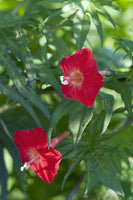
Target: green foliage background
pixel 35 35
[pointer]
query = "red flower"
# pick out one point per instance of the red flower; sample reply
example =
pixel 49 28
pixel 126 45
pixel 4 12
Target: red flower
pixel 35 154
pixel 81 80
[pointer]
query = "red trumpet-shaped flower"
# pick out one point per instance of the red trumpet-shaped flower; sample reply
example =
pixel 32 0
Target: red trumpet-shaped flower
pixel 81 80
pixel 35 154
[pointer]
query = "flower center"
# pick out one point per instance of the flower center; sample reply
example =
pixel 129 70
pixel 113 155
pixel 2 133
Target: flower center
pixel 76 77
pixel 34 156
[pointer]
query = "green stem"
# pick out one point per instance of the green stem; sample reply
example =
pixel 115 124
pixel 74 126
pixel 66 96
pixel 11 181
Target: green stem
pixel 109 72
pixel 18 7
pixel 122 70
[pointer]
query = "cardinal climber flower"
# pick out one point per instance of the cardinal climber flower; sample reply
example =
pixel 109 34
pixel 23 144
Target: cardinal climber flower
pixel 35 154
pixel 81 80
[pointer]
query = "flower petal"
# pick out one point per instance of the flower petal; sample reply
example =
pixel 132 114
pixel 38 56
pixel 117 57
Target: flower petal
pixel 83 62
pixel 35 154
pixel 30 139
pixel 48 166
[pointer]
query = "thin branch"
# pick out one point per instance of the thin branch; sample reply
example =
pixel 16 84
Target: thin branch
pixel 73 191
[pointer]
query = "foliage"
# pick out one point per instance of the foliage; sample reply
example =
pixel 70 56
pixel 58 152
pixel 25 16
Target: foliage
pixel 35 35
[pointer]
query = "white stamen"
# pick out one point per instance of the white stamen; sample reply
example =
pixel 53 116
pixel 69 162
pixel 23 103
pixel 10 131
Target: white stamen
pixel 25 166
pixel 64 82
pixel 28 164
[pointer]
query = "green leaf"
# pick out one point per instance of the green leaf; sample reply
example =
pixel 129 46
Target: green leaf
pixel 76 124
pixel 5 128
pixel 57 114
pixel 106 175
pixel 59 44
pixel 3 175
pixel 96 126
pixel 53 4
pixel 30 68
pixel 109 103
pixel 103 12
pixel 107 59
pixel 70 170
pixel 115 160
pixel 81 27
pixel 29 8
pixel 66 149
pixel 9 144
pixel 61 109
pixel 43 45
pixel 7 19
pixel 27 60
pixel 124 91
pixel 91 178
pixel 14 95
pixel 98 24
pixel 91 182
pixel 46 75
pixel 19 48
pixel 60 18
pixel 79 117
pixel 21 84
pixel 126 45
pixel 124 138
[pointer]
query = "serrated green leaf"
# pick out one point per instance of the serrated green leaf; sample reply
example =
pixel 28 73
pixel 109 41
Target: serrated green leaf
pixel 81 25
pixel 109 103
pixel 98 24
pixel 3 175
pixel 70 170
pixel 79 117
pixel 124 91
pixel 14 95
pixel 106 175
